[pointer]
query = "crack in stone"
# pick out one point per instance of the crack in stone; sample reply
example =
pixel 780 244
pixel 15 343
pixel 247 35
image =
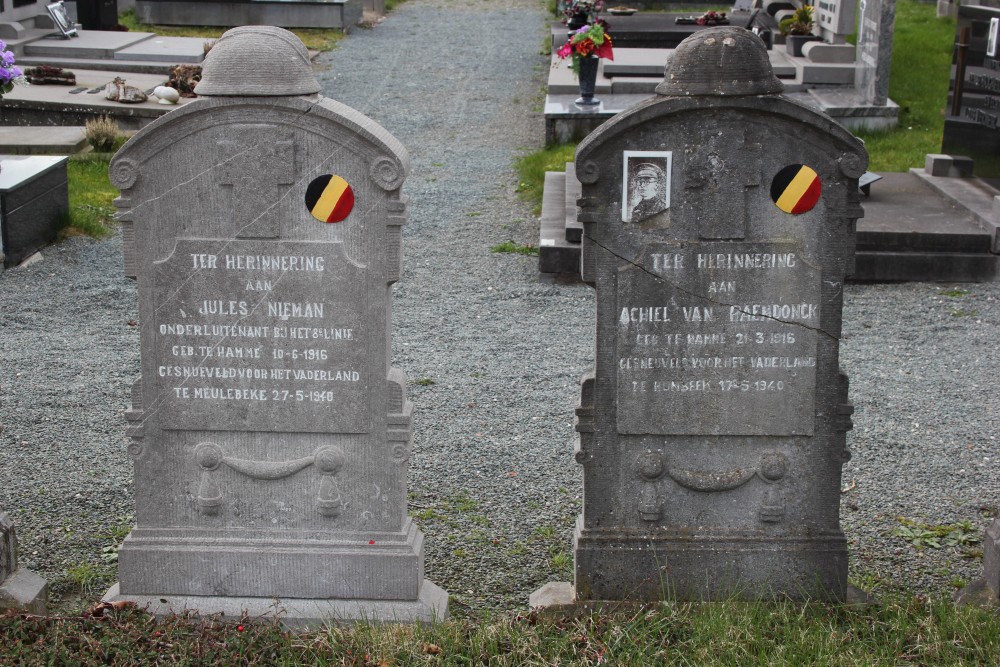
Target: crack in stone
pixel 662 279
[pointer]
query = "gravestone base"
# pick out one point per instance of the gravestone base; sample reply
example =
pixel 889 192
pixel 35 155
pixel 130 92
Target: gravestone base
pixel 985 591
pixel 372 566
pixel 24 590
pixel 430 606
pixel 709 567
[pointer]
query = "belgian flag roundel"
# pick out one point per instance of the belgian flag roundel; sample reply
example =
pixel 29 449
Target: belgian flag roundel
pixel 796 189
pixel 329 198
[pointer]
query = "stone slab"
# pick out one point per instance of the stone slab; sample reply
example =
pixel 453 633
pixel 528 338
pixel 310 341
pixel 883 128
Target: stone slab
pixel 574 228
pixel 812 73
pixel 638 62
pixel 556 255
pixel 431 606
pixel 905 212
pixel 90 44
pixel 34 199
pixel 178 50
pixel 821 52
pixel 849 109
pixel 925 267
pixel 299 14
pixel 566 121
pixel 975 195
pixel 58 105
pixel 554 593
pixel 24 591
pixel 634 85
pixel 42 140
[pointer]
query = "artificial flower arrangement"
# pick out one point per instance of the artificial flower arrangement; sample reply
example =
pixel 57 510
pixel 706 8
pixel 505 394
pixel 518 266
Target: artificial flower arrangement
pixel 9 73
pixel 712 18
pixel 590 40
pixel 585 11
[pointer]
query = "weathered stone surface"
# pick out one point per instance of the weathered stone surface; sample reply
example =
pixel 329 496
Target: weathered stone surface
pixel 20 589
pixel 874 50
pixel 270 434
pixel 986 590
pixel 719 227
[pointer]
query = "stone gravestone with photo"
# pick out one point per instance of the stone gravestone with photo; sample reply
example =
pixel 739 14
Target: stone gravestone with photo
pixel 270 434
pixel 719 225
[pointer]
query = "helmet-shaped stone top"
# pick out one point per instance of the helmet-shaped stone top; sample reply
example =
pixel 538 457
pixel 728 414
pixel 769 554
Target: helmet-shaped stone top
pixel 724 60
pixel 257 61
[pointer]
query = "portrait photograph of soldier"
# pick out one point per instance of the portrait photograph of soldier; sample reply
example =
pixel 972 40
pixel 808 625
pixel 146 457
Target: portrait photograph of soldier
pixel 645 184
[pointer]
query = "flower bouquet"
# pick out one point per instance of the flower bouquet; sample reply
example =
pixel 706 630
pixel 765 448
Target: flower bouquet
pixel 577 12
pixel 9 73
pixel 712 18
pixel 591 40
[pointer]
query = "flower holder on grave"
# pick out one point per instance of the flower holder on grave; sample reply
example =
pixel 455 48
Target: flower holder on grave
pixel 719 224
pixel 270 435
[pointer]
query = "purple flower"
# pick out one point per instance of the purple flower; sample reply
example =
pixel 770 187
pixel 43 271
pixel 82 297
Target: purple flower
pixel 5 76
pixel 6 58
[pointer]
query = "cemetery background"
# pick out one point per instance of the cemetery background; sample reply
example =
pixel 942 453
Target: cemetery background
pixel 492 354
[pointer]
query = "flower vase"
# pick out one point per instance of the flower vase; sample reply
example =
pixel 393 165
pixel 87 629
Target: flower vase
pixel 588 81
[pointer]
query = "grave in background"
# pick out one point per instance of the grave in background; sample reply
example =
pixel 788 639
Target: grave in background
pixel 825 76
pixel 972 127
pixel 284 13
pixel 718 230
pixel 270 435
pixel 34 201
pixel 20 589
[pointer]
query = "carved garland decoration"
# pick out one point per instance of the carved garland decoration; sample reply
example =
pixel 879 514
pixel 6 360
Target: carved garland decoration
pixel 328 460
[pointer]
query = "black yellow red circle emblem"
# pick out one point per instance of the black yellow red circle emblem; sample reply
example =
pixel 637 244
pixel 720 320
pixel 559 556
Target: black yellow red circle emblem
pixel 329 198
pixel 796 189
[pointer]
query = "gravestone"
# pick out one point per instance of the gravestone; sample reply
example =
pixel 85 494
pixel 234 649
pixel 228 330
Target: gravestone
pixel 874 50
pixel 975 130
pixel 270 434
pixel 719 224
pixel 986 590
pixel 20 589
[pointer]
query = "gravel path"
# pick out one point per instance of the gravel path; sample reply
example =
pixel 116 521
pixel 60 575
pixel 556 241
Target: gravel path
pixel 493 354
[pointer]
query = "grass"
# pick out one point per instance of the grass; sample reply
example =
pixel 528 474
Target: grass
pixel 531 170
pixel 514 248
pixel 316 39
pixel 91 194
pixel 901 630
